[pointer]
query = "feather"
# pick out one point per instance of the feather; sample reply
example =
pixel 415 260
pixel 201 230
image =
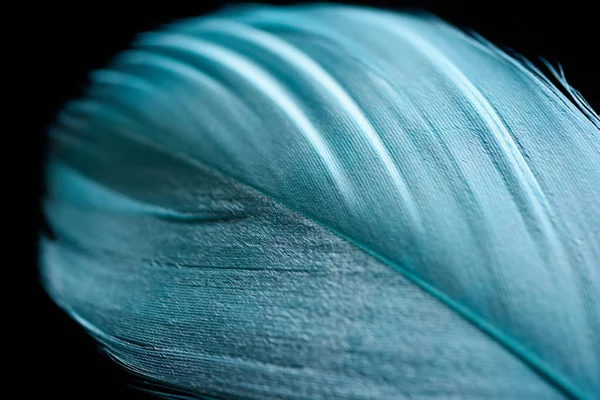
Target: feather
pixel 330 202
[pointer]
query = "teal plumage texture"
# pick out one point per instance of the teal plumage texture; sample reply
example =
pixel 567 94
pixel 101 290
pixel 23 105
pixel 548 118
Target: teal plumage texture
pixel 330 202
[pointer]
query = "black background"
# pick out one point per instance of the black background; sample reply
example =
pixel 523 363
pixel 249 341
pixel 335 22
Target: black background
pixel 58 45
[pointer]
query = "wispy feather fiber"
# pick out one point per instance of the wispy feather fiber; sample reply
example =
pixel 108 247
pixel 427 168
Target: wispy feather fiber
pixel 330 202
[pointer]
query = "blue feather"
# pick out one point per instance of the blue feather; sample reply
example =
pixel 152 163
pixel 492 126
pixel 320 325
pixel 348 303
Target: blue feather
pixel 330 202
